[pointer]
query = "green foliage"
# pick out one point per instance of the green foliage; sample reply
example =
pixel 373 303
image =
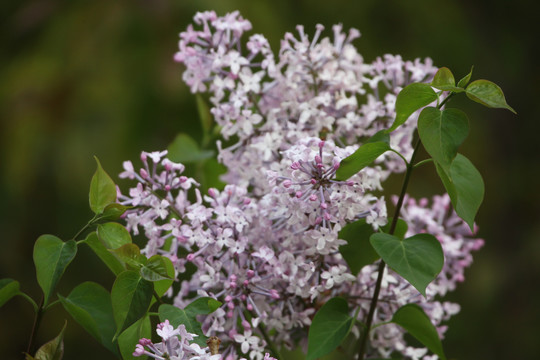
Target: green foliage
pixel 188 316
pixel 377 145
pixel 444 80
pixel 113 212
pixel 127 340
pixel 465 186
pixel 90 305
pixel 113 235
pixel 185 150
pixel 488 94
pixel 102 190
pixel 411 98
pixel 130 296
pixel 330 326
pixel 130 254
pixel 442 132
pixel 418 259
pixel 112 262
pixel 52 350
pixel 155 269
pixel 465 80
pixel 358 251
pixel 51 258
pixel 161 286
pixel 8 289
pixel 412 318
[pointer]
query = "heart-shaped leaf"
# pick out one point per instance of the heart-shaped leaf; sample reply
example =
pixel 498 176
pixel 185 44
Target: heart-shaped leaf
pixel 418 259
pixel 330 326
pixel 90 305
pixel 444 80
pixel 412 318
pixel 488 94
pixel 130 296
pixel 102 190
pixel 442 132
pixel 411 98
pixel 51 257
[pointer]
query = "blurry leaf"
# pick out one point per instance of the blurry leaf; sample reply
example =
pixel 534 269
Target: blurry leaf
pixel 465 186
pixel 358 251
pixel 113 235
pixel 412 318
pixel 361 158
pixel 418 259
pixel 90 305
pixel 465 80
pixel 204 114
pixel 8 289
pixel 185 150
pixel 127 340
pixel 329 328
pixel 130 296
pixel 51 257
pixel 442 132
pixel 444 80
pixel 54 349
pixel 155 269
pixel 102 190
pixel 488 94
pixel 399 231
pixel 411 98
pixel 188 316
pixel 104 254
pixel 212 172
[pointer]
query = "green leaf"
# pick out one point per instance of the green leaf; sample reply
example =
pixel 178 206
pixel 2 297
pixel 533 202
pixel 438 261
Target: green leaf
pixel 102 190
pixel 358 251
pixel 411 98
pixel 488 94
pixel 329 328
pixel 418 259
pixel 465 186
pixel 361 158
pixel 444 80
pixel 113 211
pixel 155 269
pixel 412 318
pixel 130 296
pixel 130 254
pixel 399 231
pixel 113 235
pixel 188 316
pixel 465 80
pixel 51 257
pixel 442 132
pixel 127 340
pixel 90 305
pixel 54 349
pixel 8 289
pixel 104 254
pixel 186 150
pixel 162 286
pixel 204 114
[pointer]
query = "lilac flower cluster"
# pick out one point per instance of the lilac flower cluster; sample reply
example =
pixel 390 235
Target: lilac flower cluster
pixel 267 245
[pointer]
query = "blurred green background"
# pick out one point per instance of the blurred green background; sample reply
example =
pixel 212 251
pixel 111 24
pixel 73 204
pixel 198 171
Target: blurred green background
pixel 84 78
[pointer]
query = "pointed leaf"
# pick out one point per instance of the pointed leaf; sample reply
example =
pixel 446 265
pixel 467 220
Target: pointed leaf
pixel 54 349
pixel 329 328
pixel 130 254
pixel 130 297
pixel 410 99
pixel 113 235
pixel 162 286
pixel 465 80
pixel 418 259
pixel 102 190
pixel 8 289
pixel 444 80
pixel 188 316
pixel 442 132
pixel 186 150
pixel 488 94
pixel 113 211
pixel 358 251
pixel 127 340
pixel 155 269
pixel 412 318
pixel 361 158
pixel 465 186
pixel 90 305
pixel 112 262
pixel 51 257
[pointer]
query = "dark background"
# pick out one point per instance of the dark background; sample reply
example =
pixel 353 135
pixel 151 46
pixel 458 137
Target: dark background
pixel 84 78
